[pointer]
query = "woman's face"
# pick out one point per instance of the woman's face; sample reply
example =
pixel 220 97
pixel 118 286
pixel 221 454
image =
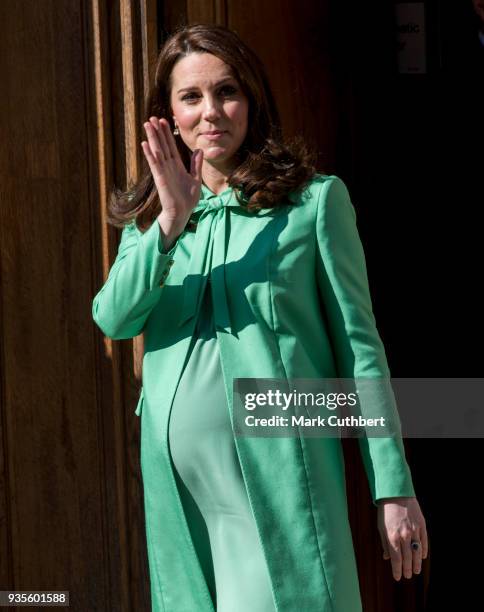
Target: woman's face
pixel 205 97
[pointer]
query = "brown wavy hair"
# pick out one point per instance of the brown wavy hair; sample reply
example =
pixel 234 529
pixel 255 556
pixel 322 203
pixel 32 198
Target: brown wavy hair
pixel 269 168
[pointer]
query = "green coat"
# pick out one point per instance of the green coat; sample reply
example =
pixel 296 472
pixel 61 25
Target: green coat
pixel 272 274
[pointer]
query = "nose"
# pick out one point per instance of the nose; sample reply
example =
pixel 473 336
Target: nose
pixel 211 110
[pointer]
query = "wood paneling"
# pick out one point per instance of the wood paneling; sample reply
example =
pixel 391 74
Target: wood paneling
pixel 71 498
pixel 292 39
pixel 56 513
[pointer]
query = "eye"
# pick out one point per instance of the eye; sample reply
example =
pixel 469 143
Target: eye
pixel 228 89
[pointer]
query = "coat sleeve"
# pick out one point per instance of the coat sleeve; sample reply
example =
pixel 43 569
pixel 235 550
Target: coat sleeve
pixel 359 352
pixel 134 283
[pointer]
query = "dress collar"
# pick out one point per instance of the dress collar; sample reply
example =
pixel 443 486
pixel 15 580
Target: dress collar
pixel 211 200
pixel 206 193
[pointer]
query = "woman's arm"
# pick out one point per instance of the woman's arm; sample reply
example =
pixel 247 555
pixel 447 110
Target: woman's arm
pixel 136 279
pixel 134 283
pixel 359 352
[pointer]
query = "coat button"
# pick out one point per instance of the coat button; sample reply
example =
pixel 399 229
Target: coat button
pixel 171 262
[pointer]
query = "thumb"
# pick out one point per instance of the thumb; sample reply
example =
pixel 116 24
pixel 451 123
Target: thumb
pixel 386 553
pixel 384 543
pixel 196 165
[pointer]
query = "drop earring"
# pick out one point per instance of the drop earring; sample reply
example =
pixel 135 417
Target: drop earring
pixel 176 131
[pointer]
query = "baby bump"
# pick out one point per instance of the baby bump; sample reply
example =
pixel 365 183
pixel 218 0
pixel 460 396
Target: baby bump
pixel 201 439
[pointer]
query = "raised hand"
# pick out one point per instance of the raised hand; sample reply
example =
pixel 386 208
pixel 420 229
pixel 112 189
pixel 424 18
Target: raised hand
pixel 178 190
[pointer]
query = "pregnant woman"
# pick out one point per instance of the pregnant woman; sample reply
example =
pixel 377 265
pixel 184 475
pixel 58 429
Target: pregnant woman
pixel 238 260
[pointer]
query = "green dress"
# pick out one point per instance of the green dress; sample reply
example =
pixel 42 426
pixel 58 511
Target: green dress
pixel 210 480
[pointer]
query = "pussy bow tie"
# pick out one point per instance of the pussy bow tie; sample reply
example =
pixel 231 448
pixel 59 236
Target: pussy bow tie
pixel 208 257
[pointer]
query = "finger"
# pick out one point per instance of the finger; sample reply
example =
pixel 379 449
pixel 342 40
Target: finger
pixel 405 539
pixel 395 556
pixel 386 554
pixel 424 540
pixel 154 143
pixel 154 140
pixel 150 158
pixel 196 165
pixel 417 553
pixel 165 150
pixel 193 162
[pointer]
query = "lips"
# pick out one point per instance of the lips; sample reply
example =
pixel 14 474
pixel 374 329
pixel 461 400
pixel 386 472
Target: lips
pixel 213 133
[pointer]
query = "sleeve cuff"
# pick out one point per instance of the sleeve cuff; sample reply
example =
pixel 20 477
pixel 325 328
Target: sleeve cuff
pixel 161 249
pixel 151 241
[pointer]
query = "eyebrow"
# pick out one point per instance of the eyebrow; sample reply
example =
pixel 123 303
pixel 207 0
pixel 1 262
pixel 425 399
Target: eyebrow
pixel 229 78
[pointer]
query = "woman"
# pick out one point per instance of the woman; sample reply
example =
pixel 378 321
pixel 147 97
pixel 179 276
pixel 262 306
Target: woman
pixel 251 268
